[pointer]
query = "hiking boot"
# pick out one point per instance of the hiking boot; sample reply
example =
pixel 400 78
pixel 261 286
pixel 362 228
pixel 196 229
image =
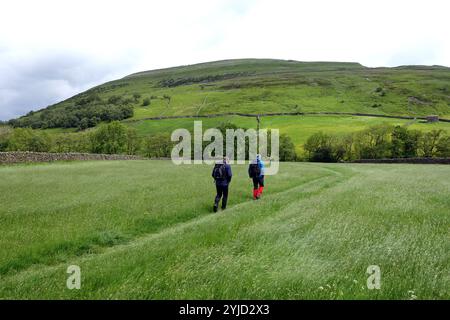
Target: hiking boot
pixel 215 208
pixel 223 208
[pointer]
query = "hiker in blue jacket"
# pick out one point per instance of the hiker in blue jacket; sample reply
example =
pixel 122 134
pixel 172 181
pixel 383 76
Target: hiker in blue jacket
pixel 222 175
pixel 256 173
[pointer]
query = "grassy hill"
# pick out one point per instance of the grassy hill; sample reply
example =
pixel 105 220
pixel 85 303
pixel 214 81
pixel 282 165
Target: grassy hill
pixel 263 85
pixel 136 233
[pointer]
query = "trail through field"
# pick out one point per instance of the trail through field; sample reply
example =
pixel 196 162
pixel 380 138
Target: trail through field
pixel 313 235
pixel 202 105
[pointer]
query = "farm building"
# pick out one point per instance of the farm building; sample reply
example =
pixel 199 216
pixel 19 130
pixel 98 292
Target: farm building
pixel 432 118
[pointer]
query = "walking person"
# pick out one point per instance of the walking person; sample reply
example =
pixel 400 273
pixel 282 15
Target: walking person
pixel 222 175
pixel 256 173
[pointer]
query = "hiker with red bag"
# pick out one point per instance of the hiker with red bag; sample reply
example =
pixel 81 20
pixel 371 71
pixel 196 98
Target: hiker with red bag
pixel 256 173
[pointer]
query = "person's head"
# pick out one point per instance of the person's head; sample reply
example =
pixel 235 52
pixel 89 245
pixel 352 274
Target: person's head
pixel 258 157
pixel 225 160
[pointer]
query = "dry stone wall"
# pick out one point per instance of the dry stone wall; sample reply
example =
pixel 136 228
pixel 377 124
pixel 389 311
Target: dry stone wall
pixel 23 157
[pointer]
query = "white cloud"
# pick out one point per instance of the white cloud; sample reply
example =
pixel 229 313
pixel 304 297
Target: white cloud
pixel 52 49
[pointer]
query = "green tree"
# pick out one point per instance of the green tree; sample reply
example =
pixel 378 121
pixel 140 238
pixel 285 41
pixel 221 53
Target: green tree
pixel 404 142
pixel 373 142
pixel 443 147
pixel 136 97
pixel 322 147
pixel 80 142
pixel 319 148
pixel 158 146
pixel 146 102
pixel 412 143
pixel 133 141
pixel 5 134
pixel 109 138
pixel 62 143
pixel 115 100
pixel 27 139
pixel 398 141
pixel 429 143
pixel 84 124
pixel 86 111
pixel 346 146
pixel 287 148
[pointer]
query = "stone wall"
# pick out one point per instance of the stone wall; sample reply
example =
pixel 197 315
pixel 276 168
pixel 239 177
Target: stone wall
pixel 407 160
pixel 21 157
pixel 216 115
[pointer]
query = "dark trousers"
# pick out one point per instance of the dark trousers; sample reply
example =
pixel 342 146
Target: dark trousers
pixel 258 182
pixel 222 190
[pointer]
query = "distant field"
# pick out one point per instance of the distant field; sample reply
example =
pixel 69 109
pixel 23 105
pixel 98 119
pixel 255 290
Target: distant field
pixel 299 128
pixel 144 230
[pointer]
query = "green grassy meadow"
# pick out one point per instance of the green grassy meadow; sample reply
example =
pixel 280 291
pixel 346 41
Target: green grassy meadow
pixel 144 230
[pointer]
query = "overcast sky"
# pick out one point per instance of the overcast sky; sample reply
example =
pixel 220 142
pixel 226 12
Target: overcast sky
pixel 53 49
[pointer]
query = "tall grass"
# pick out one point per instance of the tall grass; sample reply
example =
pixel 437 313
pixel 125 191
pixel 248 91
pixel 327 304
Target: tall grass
pixel 143 229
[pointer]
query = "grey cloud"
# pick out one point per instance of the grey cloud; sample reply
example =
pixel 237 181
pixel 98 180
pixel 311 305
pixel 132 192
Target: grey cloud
pixel 34 82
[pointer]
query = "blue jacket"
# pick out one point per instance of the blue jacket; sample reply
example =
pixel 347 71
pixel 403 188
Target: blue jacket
pixel 228 175
pixel 262 167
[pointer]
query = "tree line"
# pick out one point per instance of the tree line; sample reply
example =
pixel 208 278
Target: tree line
pixel 86 111
pixel 111 138
pixel 377 142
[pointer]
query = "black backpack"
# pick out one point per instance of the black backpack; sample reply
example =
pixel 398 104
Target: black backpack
pixel 219 172
pixel 254 170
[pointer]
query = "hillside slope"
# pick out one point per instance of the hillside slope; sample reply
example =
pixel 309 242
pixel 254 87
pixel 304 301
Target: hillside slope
pixel 255 86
